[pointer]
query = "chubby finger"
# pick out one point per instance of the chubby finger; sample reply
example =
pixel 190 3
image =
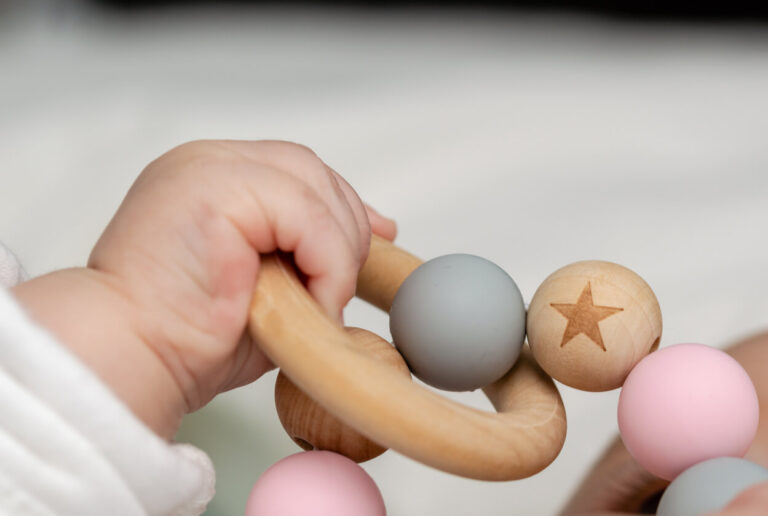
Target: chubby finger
pixel 381 225
pixel 303 164
pixel 358 210
pixel 295 219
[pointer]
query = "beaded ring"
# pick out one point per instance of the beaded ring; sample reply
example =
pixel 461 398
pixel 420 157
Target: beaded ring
pixel 590 325
pixel 379 402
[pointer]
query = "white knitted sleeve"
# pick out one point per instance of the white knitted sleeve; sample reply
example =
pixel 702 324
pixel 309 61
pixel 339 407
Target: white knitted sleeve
pixel 68 446
pixel 11 271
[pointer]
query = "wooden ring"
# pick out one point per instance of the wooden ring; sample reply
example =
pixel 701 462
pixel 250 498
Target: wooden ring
pixel 521 439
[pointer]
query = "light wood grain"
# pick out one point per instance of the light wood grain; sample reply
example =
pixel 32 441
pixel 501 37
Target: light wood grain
pixel 383 272
pixel 590 322
pixel 313 427
pixel 520 440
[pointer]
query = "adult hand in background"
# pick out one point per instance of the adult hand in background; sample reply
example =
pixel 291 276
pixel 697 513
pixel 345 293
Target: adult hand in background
pixel 619 485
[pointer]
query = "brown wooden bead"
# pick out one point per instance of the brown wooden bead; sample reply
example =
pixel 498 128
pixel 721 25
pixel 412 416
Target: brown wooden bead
pixel 312 427
pixel 590 322
pixel 522 437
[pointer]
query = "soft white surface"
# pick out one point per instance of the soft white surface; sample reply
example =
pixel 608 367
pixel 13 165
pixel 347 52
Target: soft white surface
pixel 531 141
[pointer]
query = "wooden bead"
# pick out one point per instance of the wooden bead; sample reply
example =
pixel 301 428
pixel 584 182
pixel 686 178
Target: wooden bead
pixel 520 439
pixel 590 322
pixel 312 427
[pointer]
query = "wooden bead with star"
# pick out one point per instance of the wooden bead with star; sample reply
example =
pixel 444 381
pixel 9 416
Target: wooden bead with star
pixel 521 436
pixel 590 322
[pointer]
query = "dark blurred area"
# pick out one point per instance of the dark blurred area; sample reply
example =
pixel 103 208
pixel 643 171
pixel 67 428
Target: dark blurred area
pixel 675 10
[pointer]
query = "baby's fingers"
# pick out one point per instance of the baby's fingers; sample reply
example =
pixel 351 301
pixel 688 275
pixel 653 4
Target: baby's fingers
pixel 358 211
pixel 298 220
pixel 381 225
pixel 303 164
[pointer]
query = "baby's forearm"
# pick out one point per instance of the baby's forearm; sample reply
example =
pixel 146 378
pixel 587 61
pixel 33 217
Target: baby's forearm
pixel 88 314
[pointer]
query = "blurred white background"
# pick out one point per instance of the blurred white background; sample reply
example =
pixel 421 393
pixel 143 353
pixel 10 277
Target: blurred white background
pixel 531 140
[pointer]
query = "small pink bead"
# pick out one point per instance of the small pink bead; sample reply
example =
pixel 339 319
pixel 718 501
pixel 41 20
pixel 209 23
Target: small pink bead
pixel 315 483
pixel 684 404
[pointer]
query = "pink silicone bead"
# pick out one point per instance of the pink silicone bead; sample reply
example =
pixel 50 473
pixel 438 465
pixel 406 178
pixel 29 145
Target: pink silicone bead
pixel 684 404
pixel 315 483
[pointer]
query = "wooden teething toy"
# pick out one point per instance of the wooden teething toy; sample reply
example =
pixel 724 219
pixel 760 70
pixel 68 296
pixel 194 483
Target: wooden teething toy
pixel 311 426
pixel 590 325
pixel 590 322
pixel 521 439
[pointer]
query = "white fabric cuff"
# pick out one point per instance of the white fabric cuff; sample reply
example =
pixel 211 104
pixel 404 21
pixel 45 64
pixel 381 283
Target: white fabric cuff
pixel 11 271
pixel 68 446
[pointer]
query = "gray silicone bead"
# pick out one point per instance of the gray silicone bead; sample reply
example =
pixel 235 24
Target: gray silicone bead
pixel 459 322
pixel 709 486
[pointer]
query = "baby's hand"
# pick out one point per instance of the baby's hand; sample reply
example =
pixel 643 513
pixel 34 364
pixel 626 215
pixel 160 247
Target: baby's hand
pixel 161 310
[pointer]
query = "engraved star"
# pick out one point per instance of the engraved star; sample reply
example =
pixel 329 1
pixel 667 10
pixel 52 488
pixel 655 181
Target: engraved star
pixel 583 317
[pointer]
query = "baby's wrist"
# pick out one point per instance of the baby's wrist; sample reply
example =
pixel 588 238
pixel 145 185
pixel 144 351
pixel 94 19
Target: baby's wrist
pixel 86 311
